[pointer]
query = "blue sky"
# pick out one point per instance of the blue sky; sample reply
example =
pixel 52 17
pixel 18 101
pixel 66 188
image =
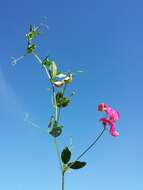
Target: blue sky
pixel 103 38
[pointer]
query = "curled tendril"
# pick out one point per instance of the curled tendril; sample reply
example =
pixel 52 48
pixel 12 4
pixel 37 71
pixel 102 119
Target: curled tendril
pixel 44 24
pixel 30 123
pixel 35 29
pixel 16 60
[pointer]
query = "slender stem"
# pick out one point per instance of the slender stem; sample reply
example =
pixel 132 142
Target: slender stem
pixel 58 154
pixel 56 116
pixel 55 103
pixel 40 61
pixel 37 57
pixel 91 145
pixel 64 89
pixel 63 180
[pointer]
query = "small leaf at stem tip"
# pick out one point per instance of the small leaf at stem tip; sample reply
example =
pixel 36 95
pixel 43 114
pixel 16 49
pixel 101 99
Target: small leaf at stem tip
pixel 33 32
pixel 77 165
pixel 66 155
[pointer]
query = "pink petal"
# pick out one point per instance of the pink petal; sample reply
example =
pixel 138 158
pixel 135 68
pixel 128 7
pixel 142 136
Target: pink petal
pixel 114 133
pixel 101 107
pixel 113 114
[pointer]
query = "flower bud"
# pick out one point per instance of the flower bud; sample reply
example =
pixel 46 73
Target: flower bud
pixel 68 79
pixel 58 83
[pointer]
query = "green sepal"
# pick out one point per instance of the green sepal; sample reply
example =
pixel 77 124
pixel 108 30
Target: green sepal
pixel 76 165
pixel 66 155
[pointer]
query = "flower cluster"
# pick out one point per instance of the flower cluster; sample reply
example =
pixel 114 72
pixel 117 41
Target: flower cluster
pixel 111 117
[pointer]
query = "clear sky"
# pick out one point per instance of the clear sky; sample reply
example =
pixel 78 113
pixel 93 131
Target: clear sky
pixel 105 39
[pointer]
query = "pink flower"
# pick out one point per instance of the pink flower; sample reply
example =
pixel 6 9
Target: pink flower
pixel 111 117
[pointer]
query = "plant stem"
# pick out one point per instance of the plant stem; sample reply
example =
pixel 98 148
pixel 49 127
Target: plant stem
pixel 55 104
pixel 63 180
pixel 91 145
pixel 58 154
pixel 56 116
pixel 40 61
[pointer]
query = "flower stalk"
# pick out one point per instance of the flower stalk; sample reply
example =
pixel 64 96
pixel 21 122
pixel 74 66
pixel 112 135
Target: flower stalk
pixel 91 145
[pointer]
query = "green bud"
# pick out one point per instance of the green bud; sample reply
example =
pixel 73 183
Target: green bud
pixel 61 100
pixel 31 48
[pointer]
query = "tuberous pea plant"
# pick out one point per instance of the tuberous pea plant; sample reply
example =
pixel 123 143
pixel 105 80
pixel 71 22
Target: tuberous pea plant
pixel 59 82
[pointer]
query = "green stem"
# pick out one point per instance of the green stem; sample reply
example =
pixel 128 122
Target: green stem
pixel 63 180
pixel 58 154
pixel 40 61
pixel 55 104
pixel 37 57
pixel 56 116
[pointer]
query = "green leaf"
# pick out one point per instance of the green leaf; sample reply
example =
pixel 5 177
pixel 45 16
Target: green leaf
pixel 51 66
pixel 76 165
pixel 66 155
